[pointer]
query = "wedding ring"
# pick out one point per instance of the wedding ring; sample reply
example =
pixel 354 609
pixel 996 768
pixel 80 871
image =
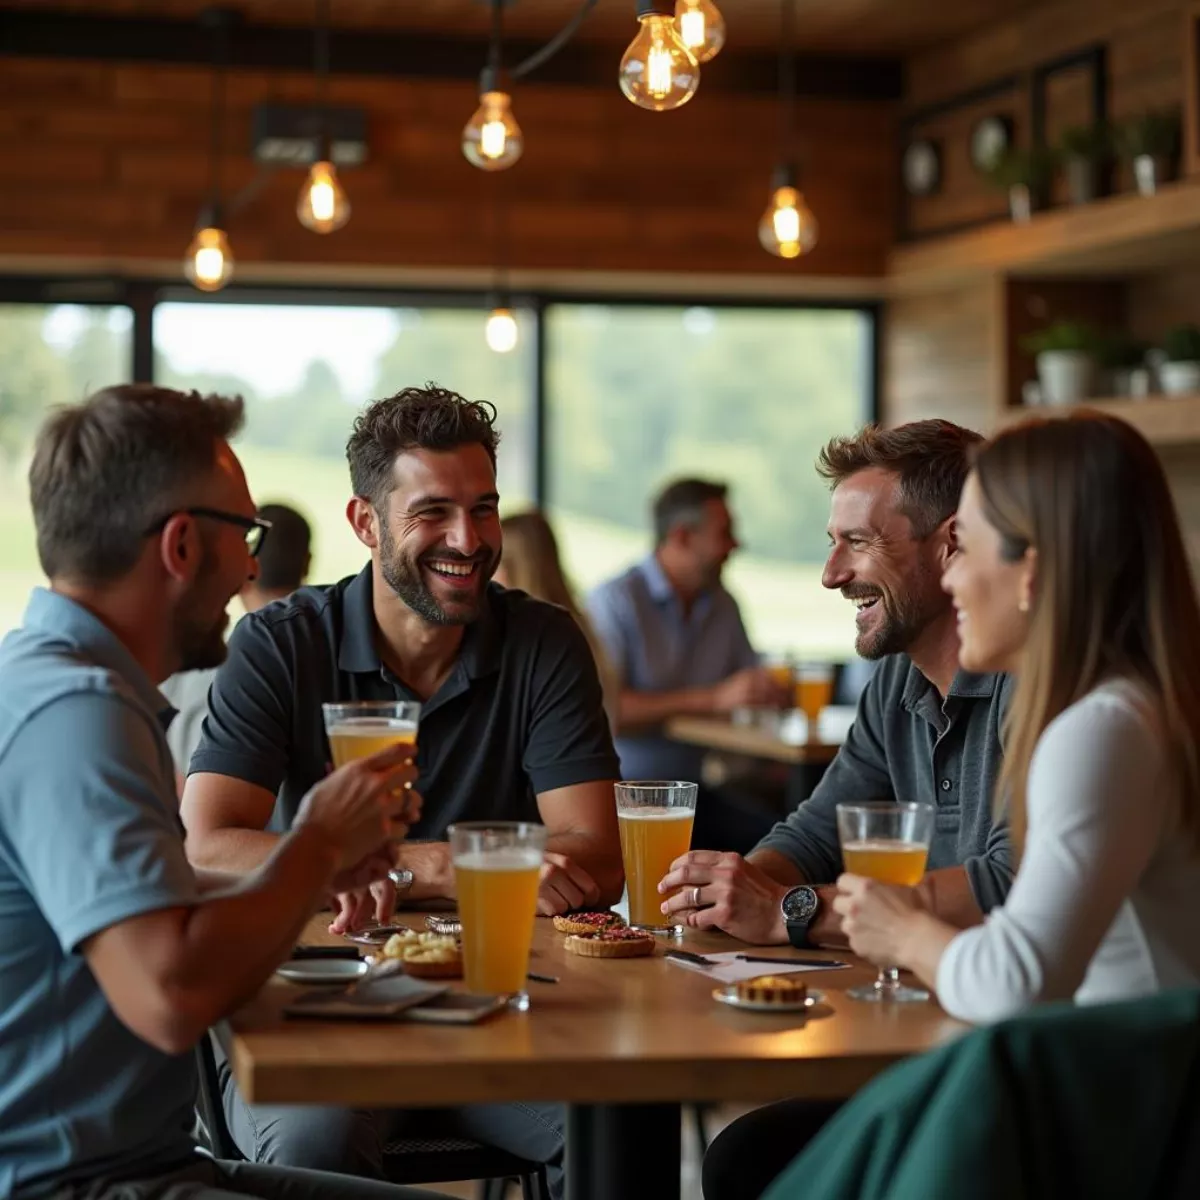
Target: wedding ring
pixel 695 897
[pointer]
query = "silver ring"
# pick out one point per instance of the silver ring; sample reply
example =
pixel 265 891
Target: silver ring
pixel 695 897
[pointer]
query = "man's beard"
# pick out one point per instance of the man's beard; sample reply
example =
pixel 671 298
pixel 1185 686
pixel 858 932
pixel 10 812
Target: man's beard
pixel 904 617
pixel 403 575
pixel 199 639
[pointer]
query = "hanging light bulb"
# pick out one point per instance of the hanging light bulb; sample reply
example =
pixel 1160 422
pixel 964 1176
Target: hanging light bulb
pixel 701 28
pixel 322 206
pixel 501 329
pixel 208 263
pixel 788 227
pixel 492 139
pixel 658 71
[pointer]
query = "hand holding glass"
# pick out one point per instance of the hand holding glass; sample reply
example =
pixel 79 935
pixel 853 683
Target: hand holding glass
pixel 888 843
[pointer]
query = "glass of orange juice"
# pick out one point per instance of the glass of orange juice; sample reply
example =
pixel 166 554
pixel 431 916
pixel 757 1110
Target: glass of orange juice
pixel 813 691
pixel 497 868
pixel 655 820
pixel 360 728
pixel 889 843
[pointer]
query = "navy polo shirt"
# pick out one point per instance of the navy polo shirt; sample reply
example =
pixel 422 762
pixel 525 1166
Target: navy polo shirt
pixel 519 714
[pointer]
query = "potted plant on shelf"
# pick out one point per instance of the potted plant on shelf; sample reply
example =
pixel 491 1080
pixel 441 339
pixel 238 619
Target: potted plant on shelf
pixel 1122 359
pixel 1066 360
pixel 1084 150
pixel 1180 370
pixel 1150 143
pixel 1025 175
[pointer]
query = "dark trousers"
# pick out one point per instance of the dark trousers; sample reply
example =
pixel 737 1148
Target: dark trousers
pixel 352 1141
pixel 752 1152
pixel 208 1180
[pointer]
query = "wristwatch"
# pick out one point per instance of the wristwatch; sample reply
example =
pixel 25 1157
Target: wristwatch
pixel 799 907
pixel 403 878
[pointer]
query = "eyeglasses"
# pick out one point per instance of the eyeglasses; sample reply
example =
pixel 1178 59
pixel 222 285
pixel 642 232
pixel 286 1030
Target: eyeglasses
pixel 255 527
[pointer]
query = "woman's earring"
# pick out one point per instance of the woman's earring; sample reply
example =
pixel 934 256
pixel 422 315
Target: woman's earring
pixel 1023 605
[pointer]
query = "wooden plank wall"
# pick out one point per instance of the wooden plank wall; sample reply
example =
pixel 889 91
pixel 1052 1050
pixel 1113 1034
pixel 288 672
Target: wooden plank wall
pixel 104 160
pixel 1145 53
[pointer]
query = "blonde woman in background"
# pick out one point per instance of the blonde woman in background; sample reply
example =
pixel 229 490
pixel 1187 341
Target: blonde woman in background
pixel 531 563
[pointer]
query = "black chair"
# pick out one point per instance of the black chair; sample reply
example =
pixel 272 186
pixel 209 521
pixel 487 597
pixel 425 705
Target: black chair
pixel 406 1161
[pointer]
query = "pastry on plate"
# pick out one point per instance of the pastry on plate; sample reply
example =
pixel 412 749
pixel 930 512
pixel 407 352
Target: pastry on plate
pixel 772 989
pixel 585 922
pixel 611 943
pixel 433 957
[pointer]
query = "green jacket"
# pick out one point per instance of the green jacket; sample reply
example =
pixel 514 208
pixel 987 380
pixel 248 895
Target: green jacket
pixel 1065 1102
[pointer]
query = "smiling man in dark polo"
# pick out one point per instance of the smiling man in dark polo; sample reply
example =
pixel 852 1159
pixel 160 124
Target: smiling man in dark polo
pixel 512 727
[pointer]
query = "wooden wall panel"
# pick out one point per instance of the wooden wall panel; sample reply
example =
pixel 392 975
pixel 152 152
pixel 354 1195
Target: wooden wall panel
pixel 938 357
pixel 109 161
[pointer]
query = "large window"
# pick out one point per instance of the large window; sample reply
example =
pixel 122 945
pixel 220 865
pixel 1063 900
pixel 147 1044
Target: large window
pixel 306 371
pixel 49 354
pixel 637 396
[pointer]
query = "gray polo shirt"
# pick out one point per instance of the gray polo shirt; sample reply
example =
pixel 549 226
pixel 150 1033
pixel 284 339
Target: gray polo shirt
pixel 90 836
pixel 655 647
pixel 907 744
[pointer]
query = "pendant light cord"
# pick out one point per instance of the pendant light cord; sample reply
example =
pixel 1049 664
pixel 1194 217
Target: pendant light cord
pixel 787 77
pixel 321 66
pixel 496 48
pixel 555 44
pixel 217 131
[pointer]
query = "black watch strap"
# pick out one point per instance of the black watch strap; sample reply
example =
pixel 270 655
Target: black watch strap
pixel 799 911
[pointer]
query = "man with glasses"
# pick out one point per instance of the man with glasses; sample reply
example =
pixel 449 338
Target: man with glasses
pixel 116 955
pixel 283 562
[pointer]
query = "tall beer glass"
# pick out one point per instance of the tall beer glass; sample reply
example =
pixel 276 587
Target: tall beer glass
pixel 889 843
pixel 360 728
pixel 497 866
pixel 655 819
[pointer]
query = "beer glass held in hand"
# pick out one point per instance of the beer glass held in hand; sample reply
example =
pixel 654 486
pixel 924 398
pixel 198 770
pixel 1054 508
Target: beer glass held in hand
pixel 888 843
pixel 655 820
pixel 497 869
pixel 357 729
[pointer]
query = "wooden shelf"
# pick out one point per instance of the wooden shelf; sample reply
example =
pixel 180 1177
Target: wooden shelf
pixel 1162 420
pixel 1125 234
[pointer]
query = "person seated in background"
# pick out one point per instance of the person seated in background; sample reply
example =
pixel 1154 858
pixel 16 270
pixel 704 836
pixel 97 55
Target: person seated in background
pixel 1072 575
pixel 512 728
pixel 677 643
pixel 925 731
pixel 283 563
pixel 531 563
pixel 116 955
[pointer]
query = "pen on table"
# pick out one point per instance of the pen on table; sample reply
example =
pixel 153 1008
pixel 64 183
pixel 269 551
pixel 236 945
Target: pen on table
pixel 795 962
pixel 541 978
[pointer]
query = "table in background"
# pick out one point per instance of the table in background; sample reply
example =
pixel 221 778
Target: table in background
pixel 752 741
pixel 622 1042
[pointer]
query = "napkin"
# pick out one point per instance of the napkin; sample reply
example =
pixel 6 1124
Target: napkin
pixel 732 971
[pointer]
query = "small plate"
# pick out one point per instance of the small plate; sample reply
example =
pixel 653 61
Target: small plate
pixel 322 970
pixel 728 995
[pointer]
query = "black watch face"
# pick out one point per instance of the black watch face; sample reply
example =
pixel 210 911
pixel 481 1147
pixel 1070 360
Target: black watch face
pixel 799 906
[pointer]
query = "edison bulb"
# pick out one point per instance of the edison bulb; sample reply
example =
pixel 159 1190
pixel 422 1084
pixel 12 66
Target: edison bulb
pixel 501 330
pixel 492 139
pixel 658 71
pixel 788 227
pixel 701 28
pixel 322 206
pixel 209 261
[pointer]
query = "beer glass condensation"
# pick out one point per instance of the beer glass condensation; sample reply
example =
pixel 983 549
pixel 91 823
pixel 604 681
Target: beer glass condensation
pixel 655 819
pixel 888 843
pixel 497 868
pixel 359 728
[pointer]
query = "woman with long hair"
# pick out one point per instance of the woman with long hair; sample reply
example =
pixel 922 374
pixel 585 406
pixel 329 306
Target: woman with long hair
pixel 1071 574
pixel 531 563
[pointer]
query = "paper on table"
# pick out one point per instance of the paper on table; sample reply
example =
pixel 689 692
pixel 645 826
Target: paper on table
pixel 732 971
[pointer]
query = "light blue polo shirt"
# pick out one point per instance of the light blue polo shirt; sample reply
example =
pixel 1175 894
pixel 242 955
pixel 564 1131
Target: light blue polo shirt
pixel 654 647
pixel 89 836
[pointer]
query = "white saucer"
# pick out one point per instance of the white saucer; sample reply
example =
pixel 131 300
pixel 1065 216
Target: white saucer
pixel 322 970
pixel 728 995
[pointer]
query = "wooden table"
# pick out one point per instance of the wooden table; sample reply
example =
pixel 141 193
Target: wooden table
pixel 753 741
pixel 638 1034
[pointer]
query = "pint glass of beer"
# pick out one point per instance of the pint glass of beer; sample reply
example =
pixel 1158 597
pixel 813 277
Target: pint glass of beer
pixel 813 692
pixel 358 729
pixel 497 866
pixel 655 820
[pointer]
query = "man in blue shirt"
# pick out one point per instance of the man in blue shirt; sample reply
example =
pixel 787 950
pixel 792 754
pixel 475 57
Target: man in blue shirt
pixel 675 638
pixel 115 954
